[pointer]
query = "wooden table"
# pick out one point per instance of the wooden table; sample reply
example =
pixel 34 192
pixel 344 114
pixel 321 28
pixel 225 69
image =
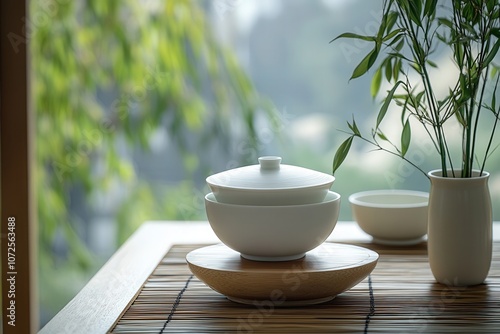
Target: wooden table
pixel 108 294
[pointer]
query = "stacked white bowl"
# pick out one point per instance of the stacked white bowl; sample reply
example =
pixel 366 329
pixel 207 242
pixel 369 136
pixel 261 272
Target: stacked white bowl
pixel 272 211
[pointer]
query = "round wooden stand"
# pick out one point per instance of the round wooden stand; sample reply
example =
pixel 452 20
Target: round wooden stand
pixel 319 276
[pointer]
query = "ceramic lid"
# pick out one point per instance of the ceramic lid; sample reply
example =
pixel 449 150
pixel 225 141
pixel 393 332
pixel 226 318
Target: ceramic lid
pixel 269 174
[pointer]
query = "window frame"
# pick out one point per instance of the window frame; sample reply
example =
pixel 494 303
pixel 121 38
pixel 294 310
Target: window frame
pixel 16 165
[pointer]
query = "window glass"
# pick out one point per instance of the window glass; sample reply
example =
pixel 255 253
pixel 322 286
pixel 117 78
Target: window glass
pixel 138 102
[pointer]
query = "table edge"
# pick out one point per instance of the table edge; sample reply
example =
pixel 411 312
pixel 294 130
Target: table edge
pixel 103 299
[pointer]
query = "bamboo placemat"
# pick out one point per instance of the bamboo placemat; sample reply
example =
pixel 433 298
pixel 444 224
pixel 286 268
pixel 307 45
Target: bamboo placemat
pixel 400 296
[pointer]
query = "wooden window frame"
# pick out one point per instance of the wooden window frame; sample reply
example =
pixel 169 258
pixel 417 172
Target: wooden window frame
pixel 19 278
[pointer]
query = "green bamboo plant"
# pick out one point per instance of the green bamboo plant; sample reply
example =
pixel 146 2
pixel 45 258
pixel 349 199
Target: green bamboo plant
pixel 408 37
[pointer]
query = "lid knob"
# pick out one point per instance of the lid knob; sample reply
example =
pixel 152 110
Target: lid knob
pixel 269 162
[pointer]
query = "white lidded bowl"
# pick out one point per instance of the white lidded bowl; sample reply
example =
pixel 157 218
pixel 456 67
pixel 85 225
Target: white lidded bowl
pixel 273 233
pixel 391 217
pixel 270 183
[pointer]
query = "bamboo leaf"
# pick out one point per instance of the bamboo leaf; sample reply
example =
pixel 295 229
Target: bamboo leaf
pixel 388 69
pixel 463 84
pixel 430 8
pixel 397 69
pixel 391 20
pixel 400 45
pixel 385 106
pixel 494 71
pixel 490 4
pixel 493 102
pixel 376 81
pixel 493 106
pixel 468 11
pixel 445 22
pixel 381 135
pixel 495 15
pixel 442 38
pixel 415 11
pixel 354 36
pixel 459 54
pixel 392 34
pixel 492 54
pixel 405 137
pixel 341 154
pixel 431 63
pixel 459 114
pixel 399 41
pixel 399 56
pixel 418 98
pixel 416 67
pixel 354 128
pixel 495 32
pixel 365 64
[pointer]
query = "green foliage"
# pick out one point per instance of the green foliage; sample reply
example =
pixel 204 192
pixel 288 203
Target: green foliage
pixel 181 201
pixel 108 74
pixel 409 34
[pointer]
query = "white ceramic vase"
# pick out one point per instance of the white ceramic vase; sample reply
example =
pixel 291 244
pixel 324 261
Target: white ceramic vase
pixel 459 228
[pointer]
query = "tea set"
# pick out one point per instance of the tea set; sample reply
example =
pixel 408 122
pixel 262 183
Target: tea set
pixel 273 220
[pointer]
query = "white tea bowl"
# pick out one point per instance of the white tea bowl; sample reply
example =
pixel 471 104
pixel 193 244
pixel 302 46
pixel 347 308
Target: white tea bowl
pixel 273 233
pixel 391 217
